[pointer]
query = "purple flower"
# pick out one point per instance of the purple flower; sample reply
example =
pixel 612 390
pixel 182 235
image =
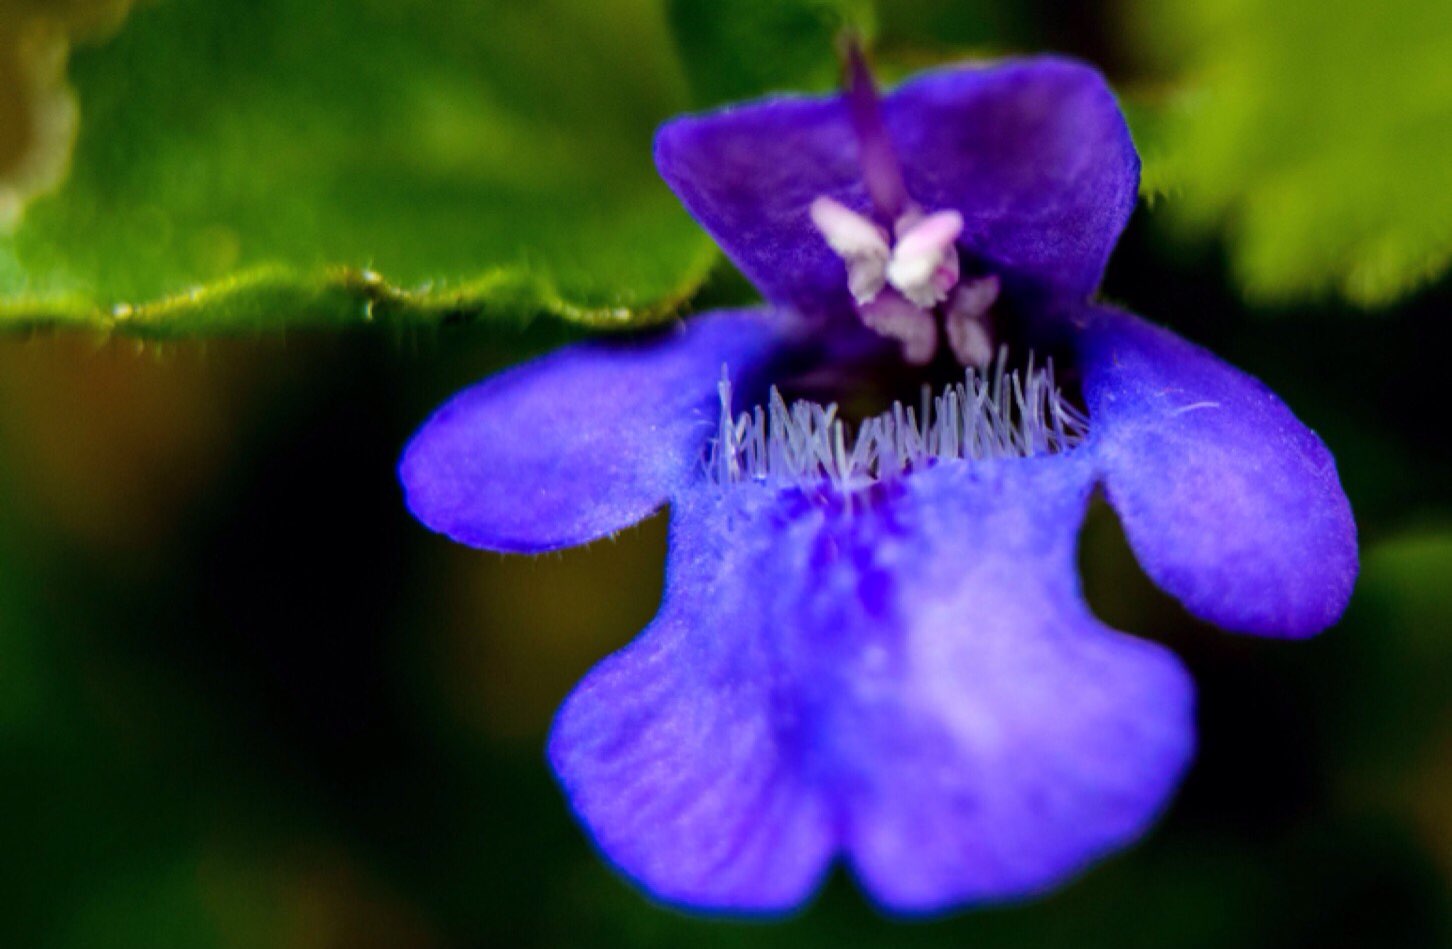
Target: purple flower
pixel 872 643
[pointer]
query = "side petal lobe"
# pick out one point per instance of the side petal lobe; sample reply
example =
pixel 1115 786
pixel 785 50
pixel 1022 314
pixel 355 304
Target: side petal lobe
pixel 579 443
pixel 1230 503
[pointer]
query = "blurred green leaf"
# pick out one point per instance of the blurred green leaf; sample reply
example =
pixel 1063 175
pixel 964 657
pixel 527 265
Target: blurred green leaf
pixel 740 49
pixel 1313 135
pixel 242 166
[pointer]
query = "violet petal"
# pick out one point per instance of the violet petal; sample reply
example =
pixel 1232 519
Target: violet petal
pixel 579 443
pixel 1033 154
pixel 910 680
pixel 1230 503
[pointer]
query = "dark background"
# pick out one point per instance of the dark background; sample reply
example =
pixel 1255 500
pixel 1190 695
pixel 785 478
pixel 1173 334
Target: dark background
pixel 246 701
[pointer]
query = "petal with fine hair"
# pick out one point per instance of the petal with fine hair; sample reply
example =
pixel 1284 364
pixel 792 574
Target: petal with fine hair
pixel 908 680
pixel 582 442
pixel 1230 503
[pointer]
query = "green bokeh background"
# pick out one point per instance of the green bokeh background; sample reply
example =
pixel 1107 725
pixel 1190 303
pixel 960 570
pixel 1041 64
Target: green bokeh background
pixel 245 701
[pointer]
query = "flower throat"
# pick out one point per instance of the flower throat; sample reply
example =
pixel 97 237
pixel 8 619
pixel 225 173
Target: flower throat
pixel 989 415
pixel 903 269
pixel 905 278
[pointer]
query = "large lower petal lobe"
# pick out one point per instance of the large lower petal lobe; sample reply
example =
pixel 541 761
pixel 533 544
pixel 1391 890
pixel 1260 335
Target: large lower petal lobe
pixel 1230 503
pixel 908 680
pixel 579 443
pixel 1034 154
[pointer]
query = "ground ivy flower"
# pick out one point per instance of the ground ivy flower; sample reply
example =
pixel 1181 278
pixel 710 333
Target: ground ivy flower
pixel 872 645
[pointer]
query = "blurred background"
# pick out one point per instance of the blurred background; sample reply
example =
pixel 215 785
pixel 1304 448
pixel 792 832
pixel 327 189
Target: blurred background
pixel 245 248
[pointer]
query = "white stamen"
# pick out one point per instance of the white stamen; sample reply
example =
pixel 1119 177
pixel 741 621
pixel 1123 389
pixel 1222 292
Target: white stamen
pixel 906 221
pixel 987 416
pixel 890 315
pixel 860 243
pixel 924 262
pixel 900 286
pixel 968 322
pixel 971 342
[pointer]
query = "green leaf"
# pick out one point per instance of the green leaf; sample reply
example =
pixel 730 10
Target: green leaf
pixel 1312 135
pixel 742 49
pixel 242 166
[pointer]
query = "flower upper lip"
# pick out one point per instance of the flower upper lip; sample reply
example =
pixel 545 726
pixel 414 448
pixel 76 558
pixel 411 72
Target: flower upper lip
pixel 1043 196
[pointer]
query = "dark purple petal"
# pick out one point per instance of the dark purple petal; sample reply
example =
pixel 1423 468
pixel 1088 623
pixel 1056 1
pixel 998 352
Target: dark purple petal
pixel 748 174
pixel 1230 503
pixel 1034 154
pixel 910 680
pixel 580 443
